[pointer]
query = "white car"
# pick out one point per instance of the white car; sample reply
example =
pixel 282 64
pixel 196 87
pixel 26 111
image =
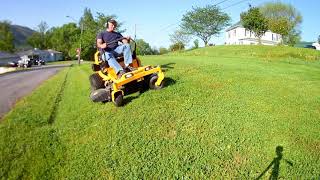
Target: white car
pixel 317 45
pixel 25 62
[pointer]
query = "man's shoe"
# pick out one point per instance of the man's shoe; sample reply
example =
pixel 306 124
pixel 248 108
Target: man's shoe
pixel 120 73
pixel 129 68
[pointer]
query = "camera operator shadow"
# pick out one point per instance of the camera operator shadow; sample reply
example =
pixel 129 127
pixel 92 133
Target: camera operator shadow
pixel 275 164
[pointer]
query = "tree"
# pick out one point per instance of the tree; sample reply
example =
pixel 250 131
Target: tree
pixel 163 50
pixel 39 39
pixel 283 19
pixel 177 46
pixel 6 37
pixel 255 22
pixel 179 37
pixel 293 37
pixel 155 51
pixel 143 48
pixel 102 19
pixel 88 36
pixel 35 40
pixel 204 22
pixel 195 44
pixel 91 27
pixel 68 34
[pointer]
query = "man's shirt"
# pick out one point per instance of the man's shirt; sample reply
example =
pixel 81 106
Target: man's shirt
pixel 108 37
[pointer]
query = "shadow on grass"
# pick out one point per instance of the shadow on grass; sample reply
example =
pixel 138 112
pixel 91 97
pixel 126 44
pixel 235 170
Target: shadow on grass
pixel 141 88
pixel 166 67
pixel 168 82
pixel 275 164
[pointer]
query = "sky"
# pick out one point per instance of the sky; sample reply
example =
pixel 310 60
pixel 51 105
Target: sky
pixel 153 20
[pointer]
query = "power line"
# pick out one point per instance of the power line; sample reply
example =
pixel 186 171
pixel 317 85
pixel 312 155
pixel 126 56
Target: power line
pixel 223 1
pixel 234 4
pixel 220 2
pixel 168 26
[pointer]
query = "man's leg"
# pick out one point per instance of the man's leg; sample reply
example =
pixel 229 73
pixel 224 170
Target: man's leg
pixel 112 61
pixel 126 51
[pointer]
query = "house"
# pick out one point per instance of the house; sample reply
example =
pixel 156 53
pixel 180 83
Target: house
pixel 6 58
pixel 238 35
pixel 55 55
pixel 46 55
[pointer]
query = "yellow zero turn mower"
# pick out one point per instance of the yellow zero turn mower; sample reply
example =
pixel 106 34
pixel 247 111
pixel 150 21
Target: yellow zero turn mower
pixel 107 86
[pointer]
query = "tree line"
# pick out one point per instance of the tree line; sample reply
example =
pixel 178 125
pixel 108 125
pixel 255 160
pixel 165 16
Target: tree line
pixel 201 23
pixel 68 37
pixel 207 22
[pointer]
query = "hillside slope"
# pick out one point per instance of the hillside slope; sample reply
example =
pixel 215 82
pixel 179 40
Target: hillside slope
pixel 254 51
pixel 21 33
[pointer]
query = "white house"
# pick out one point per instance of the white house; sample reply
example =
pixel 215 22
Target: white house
pixel 238 35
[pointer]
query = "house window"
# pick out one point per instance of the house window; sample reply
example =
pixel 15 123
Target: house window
pixel 235 33
pixel 245 33
pixel 272 37
pixel 229 34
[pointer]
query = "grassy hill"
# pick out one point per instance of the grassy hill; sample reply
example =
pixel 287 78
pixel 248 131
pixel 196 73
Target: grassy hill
pixel 226 112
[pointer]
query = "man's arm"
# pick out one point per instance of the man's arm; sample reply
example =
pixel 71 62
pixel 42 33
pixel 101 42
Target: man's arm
pixel 100 44
pixel 126 40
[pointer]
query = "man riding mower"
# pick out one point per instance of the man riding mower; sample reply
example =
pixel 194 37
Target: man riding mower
pixel 118 71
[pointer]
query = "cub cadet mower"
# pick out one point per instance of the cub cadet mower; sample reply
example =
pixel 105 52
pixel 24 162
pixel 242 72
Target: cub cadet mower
pixel 106 86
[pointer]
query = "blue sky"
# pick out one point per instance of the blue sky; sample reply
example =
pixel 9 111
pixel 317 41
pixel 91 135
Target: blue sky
pixel 154 20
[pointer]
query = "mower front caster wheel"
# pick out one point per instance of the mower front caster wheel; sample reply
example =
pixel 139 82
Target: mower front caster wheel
pixel 118 100
pixel 152 83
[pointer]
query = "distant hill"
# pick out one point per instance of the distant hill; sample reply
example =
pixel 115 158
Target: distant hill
pixel 302 44
pixel 21 33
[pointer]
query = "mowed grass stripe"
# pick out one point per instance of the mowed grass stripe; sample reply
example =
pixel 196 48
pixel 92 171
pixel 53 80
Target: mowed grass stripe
pixel 29 145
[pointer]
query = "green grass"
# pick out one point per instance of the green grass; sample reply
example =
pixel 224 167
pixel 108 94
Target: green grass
pixel 222 114
pixel 61 62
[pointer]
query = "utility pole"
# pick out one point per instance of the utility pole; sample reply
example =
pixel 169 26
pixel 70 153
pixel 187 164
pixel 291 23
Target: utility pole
pixel 78 51
pixel 135 31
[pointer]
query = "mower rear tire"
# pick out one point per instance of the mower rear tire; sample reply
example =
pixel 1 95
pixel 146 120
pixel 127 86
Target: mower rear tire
pixel 96 82
pixel 100 95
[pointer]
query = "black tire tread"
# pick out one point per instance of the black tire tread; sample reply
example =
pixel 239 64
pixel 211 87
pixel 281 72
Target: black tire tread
pixel 152 82
pixel 96 82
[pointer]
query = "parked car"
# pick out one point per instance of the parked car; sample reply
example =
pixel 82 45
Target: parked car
pixel 12 64
pixel 316 45
pixel 25 62
pixel 39 62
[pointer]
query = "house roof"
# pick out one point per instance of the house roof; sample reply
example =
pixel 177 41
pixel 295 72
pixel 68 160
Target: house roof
pixel 7 55
pixel 238 24
pixel 37 52
pixel 53 51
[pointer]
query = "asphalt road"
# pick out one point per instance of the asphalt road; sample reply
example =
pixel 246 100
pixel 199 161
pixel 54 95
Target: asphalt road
pixel 14 86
